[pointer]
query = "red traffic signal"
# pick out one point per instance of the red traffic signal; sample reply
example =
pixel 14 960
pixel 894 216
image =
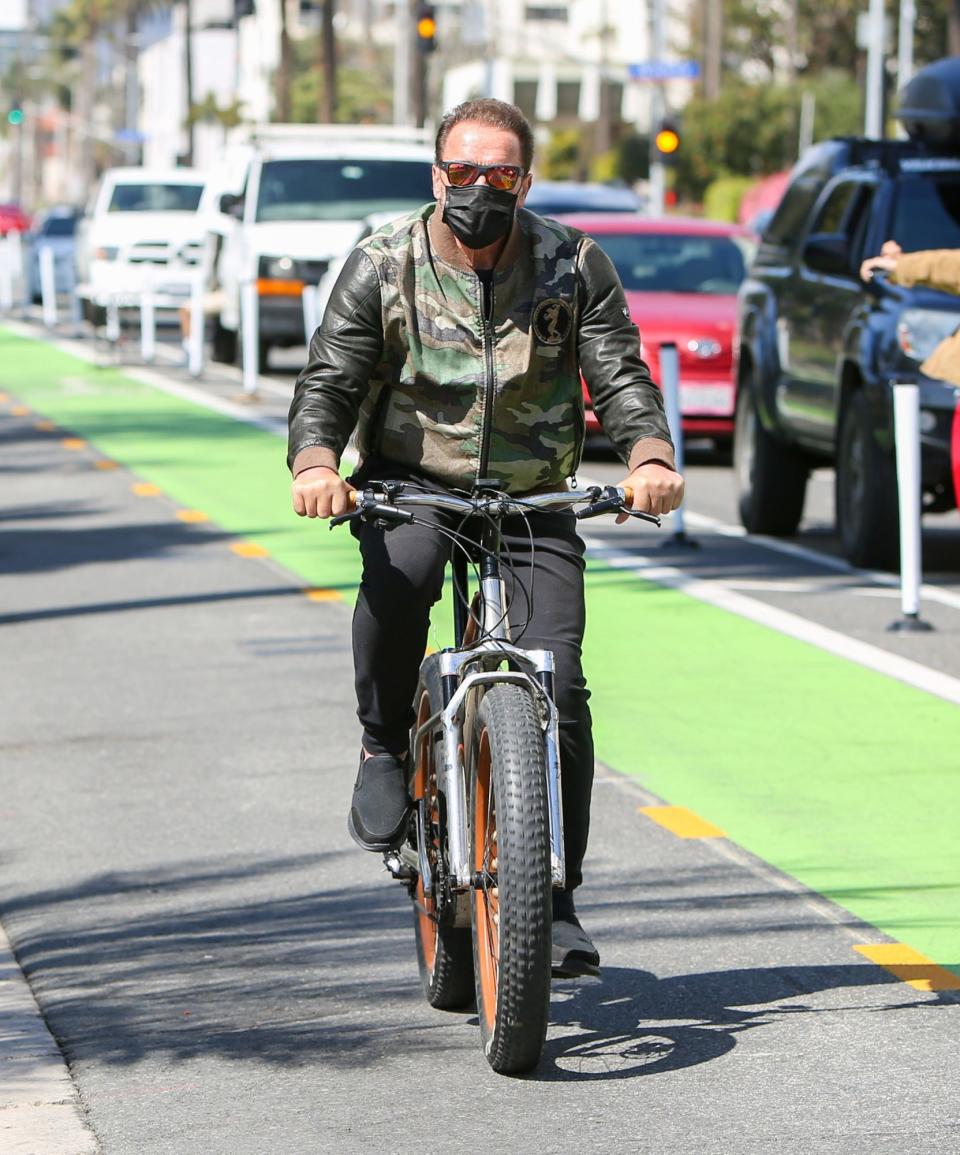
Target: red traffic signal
pixel 426 28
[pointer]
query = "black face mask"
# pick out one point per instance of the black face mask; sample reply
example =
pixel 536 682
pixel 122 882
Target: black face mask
pixel 477 214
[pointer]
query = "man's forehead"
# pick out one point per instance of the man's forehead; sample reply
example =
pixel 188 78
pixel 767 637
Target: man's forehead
pixel 476 137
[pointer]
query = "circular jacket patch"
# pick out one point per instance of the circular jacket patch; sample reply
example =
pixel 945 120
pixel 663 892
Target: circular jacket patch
pixel 552 321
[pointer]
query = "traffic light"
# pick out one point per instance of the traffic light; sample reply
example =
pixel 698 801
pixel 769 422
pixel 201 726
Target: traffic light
pixel 666 142
pixel 426 28
pixel 15 116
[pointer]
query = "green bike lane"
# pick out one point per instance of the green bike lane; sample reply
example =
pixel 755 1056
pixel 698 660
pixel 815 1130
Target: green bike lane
pixel 840 777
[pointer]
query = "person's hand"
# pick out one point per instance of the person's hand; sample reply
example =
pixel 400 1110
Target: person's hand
pixel 656 489
pixel 320 491
pixel 887 260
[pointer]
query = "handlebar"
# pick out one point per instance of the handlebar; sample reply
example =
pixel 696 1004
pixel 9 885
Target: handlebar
pixel 391 503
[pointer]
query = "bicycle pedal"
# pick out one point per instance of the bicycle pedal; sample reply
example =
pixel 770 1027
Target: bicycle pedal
pixel 395 865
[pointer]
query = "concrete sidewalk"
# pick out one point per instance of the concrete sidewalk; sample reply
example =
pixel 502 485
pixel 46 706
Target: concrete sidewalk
pixel 40 1112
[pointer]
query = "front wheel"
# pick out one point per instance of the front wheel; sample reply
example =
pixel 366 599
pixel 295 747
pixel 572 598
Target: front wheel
pixel 867 510
pixel 511 898
pixel 771 476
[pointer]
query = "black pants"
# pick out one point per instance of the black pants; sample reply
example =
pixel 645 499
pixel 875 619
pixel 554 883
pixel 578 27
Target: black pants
pixel 403 573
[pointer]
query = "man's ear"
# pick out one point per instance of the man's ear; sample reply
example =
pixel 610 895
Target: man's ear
pixel 436 177
pixel 524 189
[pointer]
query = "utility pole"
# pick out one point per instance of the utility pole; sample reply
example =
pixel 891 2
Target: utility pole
pixel 402 63
pixel 873 113
pixel 908 19
pixel 713 41
pixel 188 76
pixel 657 109
pixel 328 48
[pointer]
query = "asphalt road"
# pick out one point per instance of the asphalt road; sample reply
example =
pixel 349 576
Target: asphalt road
pixel 225 972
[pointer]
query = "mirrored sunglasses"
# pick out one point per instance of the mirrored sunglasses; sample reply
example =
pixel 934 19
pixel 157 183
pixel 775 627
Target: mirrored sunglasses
pixel 461 173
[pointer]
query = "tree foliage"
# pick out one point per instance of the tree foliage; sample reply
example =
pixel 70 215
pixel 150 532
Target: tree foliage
pixel 752 130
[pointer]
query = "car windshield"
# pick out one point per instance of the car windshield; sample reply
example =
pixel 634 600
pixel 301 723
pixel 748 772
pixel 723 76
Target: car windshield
pixel 59 227
pixel 927 213
pixel 336 190
pixel 674 263
pixel 155 197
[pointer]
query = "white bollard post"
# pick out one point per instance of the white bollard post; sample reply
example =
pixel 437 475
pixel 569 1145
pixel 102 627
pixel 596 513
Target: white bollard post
pixel 18 272
pixel 906 432
pixel 148 322
pixel 195 348
pixel 310 318
pixel 670 387
pixel 113 320
pixel 250 332
pixel 48 286
pixel 6 276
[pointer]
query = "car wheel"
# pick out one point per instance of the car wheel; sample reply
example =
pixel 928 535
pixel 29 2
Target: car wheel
pixel 224 347
pixel 770 476
pixel 868 517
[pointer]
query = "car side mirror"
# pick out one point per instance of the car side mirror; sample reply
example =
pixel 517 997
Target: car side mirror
pixel 231 205
pixel 828 253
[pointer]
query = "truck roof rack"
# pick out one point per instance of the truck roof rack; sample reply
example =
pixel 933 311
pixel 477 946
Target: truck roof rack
pixel 307 133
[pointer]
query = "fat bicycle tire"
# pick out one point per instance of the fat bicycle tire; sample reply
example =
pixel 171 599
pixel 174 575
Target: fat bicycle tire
pixel 444 952
pixel 511 899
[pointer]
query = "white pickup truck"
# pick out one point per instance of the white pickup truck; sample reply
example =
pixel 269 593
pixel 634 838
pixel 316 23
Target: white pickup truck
pixel 140 225
pixel 305 194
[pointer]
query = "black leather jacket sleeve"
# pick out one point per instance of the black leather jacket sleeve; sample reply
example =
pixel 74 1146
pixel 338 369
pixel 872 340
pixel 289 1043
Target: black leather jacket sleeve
pixel 344 352
pixel 627 403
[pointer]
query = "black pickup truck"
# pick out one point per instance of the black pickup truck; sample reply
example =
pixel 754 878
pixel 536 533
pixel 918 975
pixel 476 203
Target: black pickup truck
pixel 818 349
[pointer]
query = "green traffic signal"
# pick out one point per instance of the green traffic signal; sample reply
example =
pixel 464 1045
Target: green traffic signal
pixel 15 116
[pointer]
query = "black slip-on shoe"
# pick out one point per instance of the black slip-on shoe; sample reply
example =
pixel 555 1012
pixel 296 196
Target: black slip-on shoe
pixel 573 954
pixel 381 803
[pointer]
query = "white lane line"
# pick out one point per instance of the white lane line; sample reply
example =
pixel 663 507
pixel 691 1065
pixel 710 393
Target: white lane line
pixel 824 560
pixel 794 626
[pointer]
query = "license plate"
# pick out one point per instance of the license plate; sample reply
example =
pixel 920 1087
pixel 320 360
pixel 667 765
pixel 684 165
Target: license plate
pixel 717 400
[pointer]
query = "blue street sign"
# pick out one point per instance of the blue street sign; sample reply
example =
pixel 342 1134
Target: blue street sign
pixel 664 70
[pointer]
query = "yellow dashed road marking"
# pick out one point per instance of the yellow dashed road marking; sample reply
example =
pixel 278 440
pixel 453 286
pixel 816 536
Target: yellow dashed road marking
pixel 45 426
pixel 322 595
pixel 192 515
pixel 73 443
pixel 20 411
pixel 105 463
pixel 145 489
pixel 910 966
pixel 682 822
pixel 249 549
pixel 4 398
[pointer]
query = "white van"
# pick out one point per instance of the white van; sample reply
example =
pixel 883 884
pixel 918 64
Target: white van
pixel 305 193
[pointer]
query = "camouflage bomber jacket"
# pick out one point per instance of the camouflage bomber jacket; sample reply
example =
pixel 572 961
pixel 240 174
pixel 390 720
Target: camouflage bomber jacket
pixel 406 356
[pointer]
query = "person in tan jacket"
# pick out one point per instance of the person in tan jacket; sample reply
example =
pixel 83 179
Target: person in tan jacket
pixel 937 269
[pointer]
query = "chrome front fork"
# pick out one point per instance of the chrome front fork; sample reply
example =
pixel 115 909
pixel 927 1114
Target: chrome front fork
pixel 536 667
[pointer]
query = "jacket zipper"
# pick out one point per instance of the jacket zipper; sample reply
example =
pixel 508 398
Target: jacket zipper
pixel 487 331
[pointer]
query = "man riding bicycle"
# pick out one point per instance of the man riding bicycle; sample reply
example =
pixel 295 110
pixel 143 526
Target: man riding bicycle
pixel 453 343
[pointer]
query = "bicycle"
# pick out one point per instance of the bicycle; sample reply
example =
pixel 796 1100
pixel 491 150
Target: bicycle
pixel 485 842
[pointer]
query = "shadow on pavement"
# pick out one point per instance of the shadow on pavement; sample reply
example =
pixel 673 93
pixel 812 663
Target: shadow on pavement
pixel 631 1023
pixel 262 960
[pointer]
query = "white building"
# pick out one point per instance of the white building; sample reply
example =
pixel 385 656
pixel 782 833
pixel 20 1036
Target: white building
pixel 562 61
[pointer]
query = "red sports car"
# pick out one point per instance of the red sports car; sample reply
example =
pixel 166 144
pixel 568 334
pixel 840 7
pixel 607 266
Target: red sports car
pixel 681 277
